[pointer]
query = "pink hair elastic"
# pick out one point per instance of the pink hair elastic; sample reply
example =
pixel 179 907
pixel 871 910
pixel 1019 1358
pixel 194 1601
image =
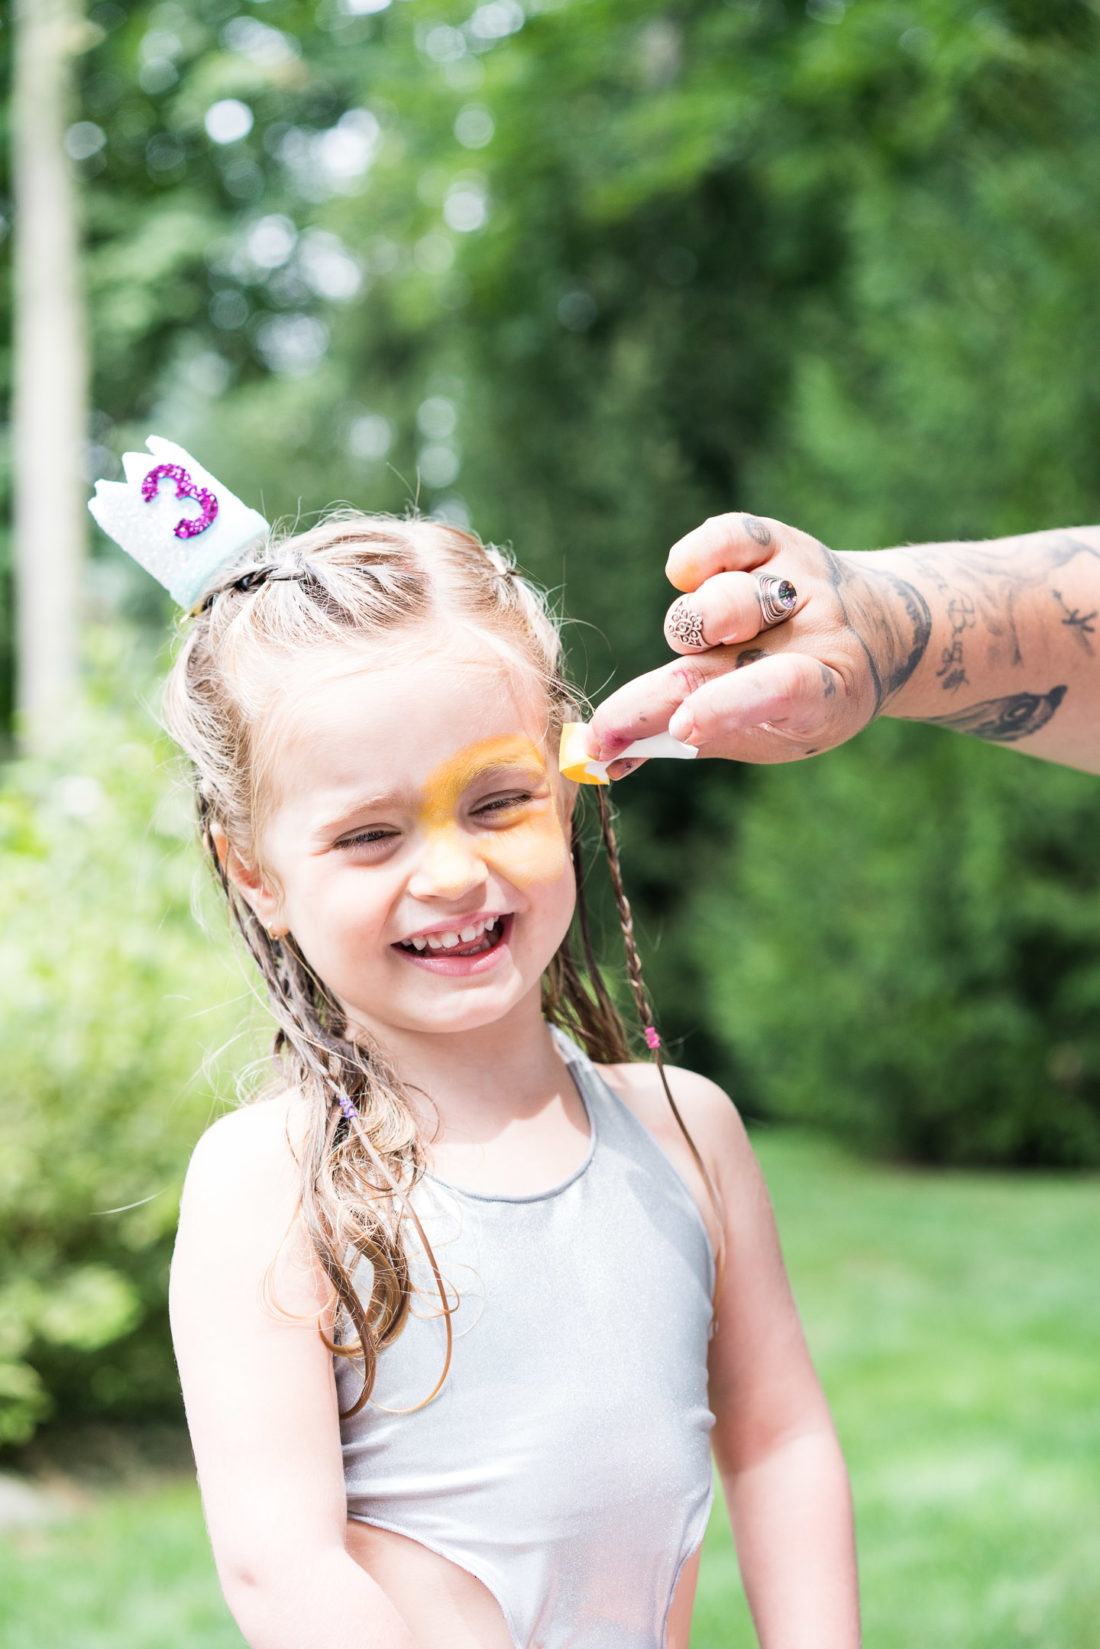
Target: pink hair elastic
pixel 652 1040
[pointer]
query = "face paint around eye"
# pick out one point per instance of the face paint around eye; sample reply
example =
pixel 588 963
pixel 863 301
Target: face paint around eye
pixel 528 848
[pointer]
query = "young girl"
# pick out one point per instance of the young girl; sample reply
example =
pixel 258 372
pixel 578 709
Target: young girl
pixel 462 1308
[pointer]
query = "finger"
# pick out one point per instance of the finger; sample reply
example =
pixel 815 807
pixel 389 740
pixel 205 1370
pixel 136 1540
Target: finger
pixel 728 608
pixel 643 706
pixel 619 770
pixel 725 543
pixel 758 712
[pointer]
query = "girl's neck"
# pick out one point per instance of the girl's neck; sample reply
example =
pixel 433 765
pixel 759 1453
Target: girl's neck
pixel 472 1083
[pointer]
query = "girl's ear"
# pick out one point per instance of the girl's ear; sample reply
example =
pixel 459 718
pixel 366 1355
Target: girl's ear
pixel 249 882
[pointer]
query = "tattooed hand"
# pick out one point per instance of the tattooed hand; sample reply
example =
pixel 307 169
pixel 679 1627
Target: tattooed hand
pixel 856 634
pixel 993 639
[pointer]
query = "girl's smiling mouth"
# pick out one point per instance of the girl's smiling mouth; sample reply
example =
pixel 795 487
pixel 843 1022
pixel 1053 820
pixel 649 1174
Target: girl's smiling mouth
pixel 472 945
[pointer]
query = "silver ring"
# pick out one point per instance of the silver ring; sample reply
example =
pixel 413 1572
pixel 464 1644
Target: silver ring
pixel 777 598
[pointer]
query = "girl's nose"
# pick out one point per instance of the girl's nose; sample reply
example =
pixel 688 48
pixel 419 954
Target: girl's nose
pixel 448 867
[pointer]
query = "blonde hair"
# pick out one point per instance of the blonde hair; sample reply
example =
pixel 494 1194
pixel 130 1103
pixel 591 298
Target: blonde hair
pixel 353 578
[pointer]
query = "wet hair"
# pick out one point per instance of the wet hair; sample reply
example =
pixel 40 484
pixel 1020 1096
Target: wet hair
pixel 356 578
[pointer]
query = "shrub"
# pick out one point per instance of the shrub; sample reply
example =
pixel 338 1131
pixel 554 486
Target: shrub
pixel 113 996
pixel 902 944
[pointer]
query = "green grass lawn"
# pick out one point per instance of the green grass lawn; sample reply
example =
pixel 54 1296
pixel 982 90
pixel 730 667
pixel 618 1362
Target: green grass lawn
pixel 955 1321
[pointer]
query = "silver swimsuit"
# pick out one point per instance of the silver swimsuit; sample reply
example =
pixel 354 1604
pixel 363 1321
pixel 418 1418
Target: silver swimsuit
pixel 566 1461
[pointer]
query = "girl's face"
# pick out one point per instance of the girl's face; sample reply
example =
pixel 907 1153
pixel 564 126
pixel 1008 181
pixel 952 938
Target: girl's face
pixel 417 840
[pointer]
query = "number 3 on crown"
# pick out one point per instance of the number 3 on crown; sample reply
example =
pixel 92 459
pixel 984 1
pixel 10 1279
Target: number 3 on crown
pixel 190 526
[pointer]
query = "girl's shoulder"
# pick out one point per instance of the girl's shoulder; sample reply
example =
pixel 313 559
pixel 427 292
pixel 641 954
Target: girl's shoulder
pixel 254 1140
pixel 241 1198
pixel 707 1109
pixel 709 1114
pixel 245 1170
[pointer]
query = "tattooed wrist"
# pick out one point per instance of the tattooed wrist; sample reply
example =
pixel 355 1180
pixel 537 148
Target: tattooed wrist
pixel 889 619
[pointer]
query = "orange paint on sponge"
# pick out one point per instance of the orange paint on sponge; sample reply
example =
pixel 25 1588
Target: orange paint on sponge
pixel 574 761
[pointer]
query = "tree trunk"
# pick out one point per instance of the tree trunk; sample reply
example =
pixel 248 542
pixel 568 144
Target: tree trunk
pixel 50 376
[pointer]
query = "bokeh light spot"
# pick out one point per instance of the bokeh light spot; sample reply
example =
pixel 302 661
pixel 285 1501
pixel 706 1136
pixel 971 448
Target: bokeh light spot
pixel 228 121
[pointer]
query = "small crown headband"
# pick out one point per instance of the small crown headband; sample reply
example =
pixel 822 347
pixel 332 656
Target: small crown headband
pixel 181 548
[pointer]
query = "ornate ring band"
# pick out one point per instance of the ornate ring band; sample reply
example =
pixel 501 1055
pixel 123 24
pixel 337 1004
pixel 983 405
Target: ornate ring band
pixel 685 625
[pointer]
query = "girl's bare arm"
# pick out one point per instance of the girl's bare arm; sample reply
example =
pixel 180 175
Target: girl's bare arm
pixel 784 1477
pixel 1000 640
pixel 261 1400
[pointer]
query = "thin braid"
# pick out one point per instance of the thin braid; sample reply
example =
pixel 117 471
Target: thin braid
pixel 645 1015
pixel 580 1002
pixel 607 1008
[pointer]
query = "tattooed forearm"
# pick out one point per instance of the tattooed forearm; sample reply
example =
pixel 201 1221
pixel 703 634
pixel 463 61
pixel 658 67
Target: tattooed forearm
pixel 983 586
pixel 1004 721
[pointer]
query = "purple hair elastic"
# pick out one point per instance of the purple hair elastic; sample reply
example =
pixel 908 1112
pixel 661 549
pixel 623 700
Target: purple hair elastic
pixel 348 1108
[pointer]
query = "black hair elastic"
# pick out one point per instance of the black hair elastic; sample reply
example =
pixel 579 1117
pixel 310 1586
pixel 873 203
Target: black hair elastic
pixel 274 573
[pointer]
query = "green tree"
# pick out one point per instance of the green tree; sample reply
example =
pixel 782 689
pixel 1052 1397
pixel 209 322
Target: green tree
pixel 914 964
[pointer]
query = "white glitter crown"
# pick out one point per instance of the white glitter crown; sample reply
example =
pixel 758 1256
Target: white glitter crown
pixel 173 517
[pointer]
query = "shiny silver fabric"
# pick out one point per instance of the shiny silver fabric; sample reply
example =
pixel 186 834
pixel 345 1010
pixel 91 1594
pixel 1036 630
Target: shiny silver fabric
pixel 566 1461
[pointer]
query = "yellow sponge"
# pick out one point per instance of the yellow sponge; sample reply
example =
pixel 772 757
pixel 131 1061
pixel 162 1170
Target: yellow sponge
pixel 573 758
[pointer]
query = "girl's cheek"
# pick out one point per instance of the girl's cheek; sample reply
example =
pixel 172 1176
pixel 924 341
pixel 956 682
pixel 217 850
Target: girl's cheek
pixel 529 853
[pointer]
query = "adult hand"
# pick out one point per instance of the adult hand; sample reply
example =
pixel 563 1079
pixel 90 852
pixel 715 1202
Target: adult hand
pixel 855 634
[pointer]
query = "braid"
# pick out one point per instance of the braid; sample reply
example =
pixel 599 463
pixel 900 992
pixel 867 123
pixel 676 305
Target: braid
pixel 352 1080
pixel 645 1015
pixel 581 1003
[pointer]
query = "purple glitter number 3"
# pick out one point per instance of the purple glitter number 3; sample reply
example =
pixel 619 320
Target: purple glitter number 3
pixel 190 526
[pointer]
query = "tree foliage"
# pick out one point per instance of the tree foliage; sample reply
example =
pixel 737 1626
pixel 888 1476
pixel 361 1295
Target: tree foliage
pixel 918 968
pixel 112 996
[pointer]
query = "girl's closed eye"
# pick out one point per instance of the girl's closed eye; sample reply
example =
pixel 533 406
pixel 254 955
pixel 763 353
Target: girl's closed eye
pixel 506 804
pixel 375 838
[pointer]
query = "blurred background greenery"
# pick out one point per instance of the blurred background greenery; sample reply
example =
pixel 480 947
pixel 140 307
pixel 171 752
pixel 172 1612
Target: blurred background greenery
pixel 579 272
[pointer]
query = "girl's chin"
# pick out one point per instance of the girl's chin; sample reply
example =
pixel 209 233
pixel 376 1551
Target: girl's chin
pixel 436 1011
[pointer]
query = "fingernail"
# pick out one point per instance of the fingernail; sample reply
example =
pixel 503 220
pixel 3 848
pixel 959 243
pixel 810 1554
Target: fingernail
pixel 623 768
pixel 682 725
pixel 684 624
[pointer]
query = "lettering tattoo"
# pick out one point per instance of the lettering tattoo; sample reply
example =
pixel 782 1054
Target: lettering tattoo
pixel 750 656
pixel 961 617
pixel 1080 623
pixel 1006 720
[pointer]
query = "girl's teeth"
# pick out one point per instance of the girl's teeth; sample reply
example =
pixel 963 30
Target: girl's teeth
pixel 464 936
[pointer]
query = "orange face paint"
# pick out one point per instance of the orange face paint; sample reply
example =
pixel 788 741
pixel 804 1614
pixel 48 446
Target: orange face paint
pixel 524 844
